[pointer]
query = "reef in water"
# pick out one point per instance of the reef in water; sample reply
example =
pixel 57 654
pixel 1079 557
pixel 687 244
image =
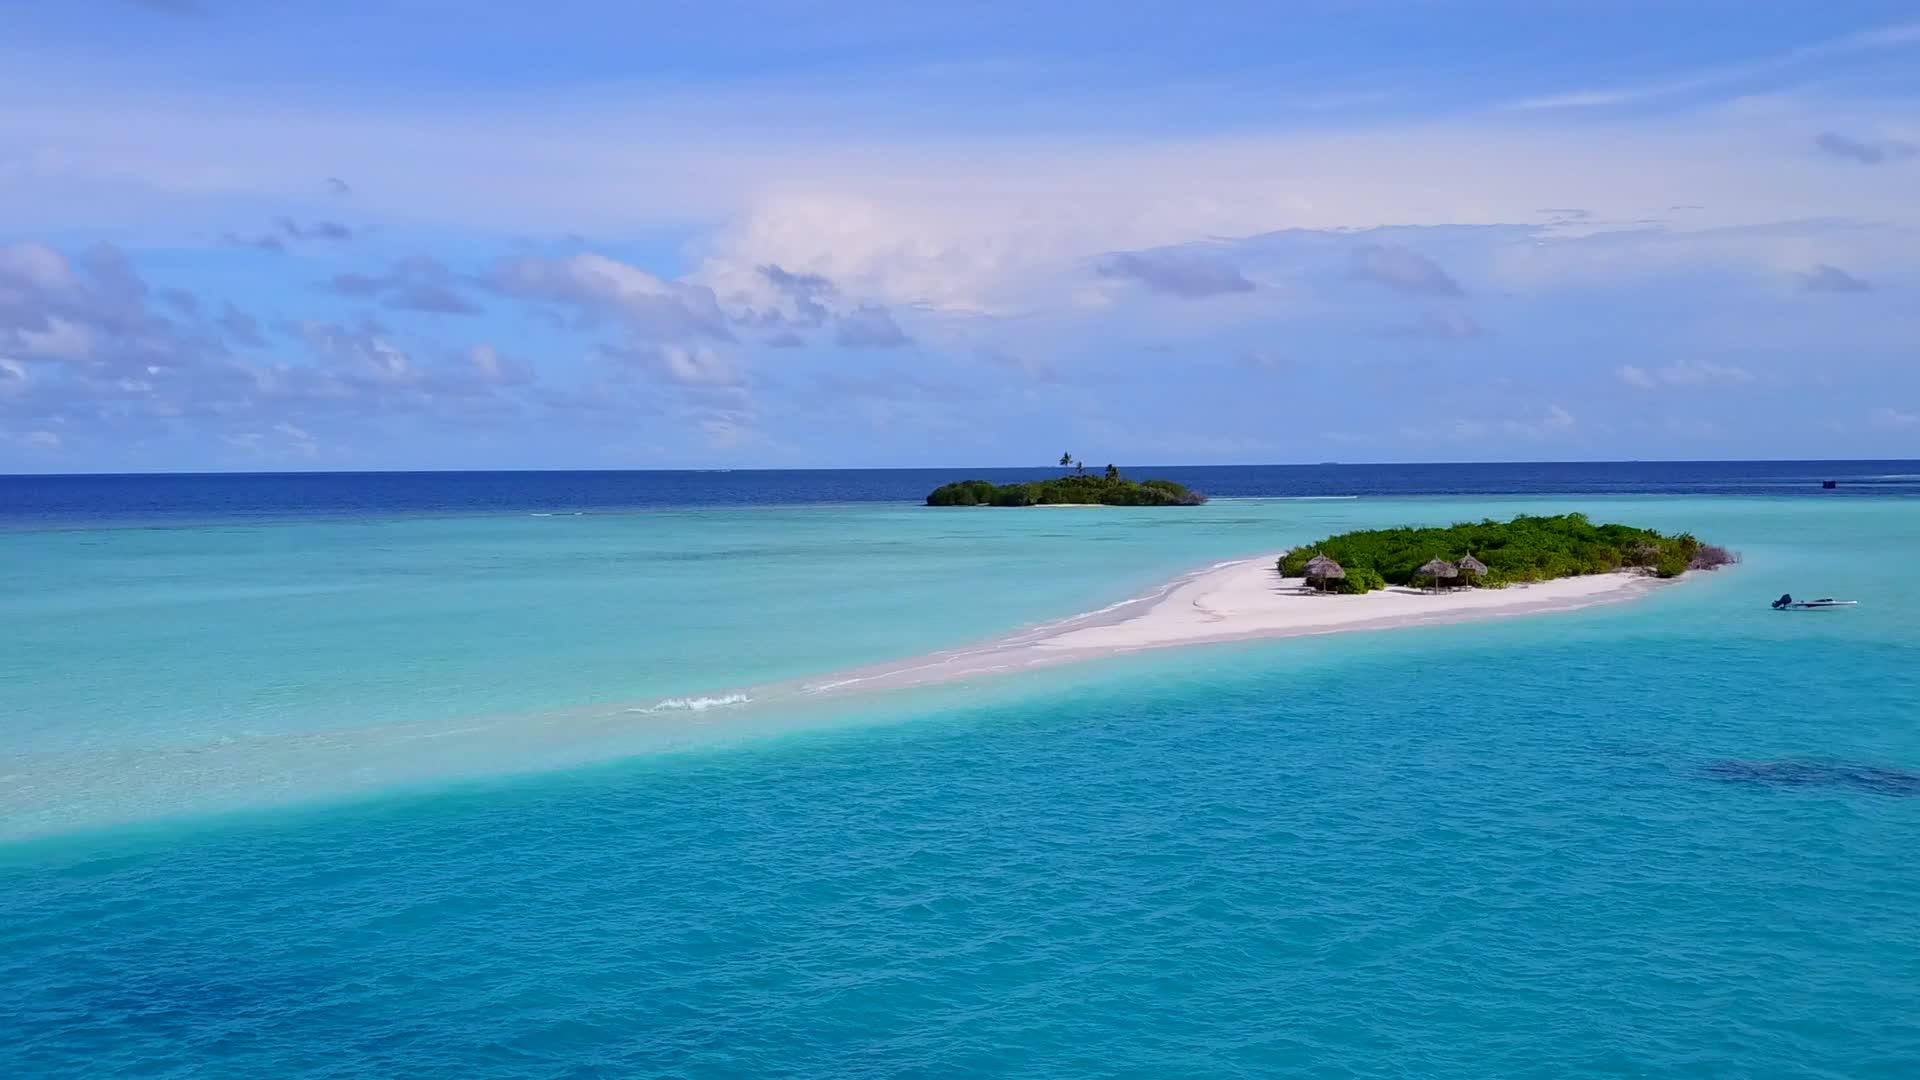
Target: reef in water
pixel 1879 779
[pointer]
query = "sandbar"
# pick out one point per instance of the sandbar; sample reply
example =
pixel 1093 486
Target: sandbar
pixel 1241 600
pixel 1250 599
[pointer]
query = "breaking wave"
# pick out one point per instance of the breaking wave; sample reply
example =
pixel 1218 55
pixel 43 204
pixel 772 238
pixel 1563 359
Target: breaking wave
pixel 693 704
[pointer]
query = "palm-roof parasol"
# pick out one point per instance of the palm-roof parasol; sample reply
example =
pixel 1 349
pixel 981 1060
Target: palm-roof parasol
pixel 1322 569
pixel 1472 567
pixel 1437 569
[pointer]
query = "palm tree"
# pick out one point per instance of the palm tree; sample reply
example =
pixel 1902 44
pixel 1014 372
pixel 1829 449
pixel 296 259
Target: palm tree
pixel 1113 473
pixel 1080 467
pixel 1066 461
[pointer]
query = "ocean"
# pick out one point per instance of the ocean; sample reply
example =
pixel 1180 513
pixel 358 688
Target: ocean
pixel 376 775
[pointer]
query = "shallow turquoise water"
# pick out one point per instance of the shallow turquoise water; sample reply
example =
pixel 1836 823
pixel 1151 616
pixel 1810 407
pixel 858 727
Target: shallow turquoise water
pixel 1670 838
pixel 153 671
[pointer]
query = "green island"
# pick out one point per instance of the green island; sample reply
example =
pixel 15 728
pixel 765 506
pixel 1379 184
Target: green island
pixel 1076 488
pixel 1496 553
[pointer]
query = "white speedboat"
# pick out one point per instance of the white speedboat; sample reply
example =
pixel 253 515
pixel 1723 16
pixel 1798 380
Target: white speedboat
pixel 1788 603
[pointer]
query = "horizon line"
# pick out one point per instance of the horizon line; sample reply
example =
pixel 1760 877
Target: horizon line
pixel 941 468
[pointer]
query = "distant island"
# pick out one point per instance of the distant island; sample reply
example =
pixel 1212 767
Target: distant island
pixel 1496 553
pixel 1076 488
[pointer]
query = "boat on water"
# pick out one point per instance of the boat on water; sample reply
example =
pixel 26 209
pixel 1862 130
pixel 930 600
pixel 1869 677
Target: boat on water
pixel 1788 603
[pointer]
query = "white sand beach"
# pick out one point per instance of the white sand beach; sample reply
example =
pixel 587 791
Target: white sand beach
pixel 1249 599
pixel 1234 601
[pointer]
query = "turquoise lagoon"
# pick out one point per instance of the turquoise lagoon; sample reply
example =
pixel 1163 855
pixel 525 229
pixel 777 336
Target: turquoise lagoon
pixel 457 795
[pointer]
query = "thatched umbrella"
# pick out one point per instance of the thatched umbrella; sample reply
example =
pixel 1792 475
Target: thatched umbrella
pixel 1322 569
pixel 1437 569
pixel 1471 567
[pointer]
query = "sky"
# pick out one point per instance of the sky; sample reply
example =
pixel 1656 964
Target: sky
pixel 594 234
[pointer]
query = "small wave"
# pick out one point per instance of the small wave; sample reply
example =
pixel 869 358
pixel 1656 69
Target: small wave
pixel 1115 606
pixel 1314 498
pixel 693 704
pixel 539 515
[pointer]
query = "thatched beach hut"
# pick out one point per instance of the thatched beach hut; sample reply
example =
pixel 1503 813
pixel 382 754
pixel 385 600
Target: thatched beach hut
pixel 1320 570
pixel 1436 569
pixel 1472 569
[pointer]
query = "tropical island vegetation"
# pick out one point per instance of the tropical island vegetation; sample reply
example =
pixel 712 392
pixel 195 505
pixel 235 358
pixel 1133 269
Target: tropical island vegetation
pixel 1077 487
pixel 1528 548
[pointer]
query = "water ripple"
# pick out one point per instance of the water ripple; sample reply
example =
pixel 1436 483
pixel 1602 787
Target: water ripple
pixel 1203 871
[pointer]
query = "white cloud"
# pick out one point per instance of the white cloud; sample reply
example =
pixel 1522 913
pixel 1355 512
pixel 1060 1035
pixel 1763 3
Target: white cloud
pixel 495 369
pixel 770 295
pixel 1832 279
pixel 1692 428
pixel 1636 376
pixel 725 434
pixel 1403 270
pixel 36 265
pixel 1887 418
pixel 869 328
pixel 1185 274
pixel 686 365
pixel 957 222
pixel 1884 38
pixel 933 226
pixel 1686 373
pixel 650 307
pixel 1867 151
pixel 487 361
pixel 363 352
pixel 1551 422
pixel 1445 324
pixel 1596 255
pixel 280 442
pixel 887 249
pixel 1704 373
pixel 298 441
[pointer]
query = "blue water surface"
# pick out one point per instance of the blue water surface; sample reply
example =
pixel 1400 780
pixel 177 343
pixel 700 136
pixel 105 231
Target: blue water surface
pixel 1672 838
pixel 35 501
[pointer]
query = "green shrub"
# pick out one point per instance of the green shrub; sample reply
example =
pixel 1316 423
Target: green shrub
pixel 1528 548
pixel 1358 580
pixel 1109 490
pixel 963 493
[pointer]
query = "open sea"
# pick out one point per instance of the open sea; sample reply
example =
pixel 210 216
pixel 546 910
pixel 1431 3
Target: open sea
pixel 410 775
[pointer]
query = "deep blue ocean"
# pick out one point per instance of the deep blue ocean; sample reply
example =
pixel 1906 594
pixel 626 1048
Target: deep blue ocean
pixel 406 775
pixel 147 499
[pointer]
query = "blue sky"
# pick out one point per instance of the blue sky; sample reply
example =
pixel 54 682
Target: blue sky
pixel 427 234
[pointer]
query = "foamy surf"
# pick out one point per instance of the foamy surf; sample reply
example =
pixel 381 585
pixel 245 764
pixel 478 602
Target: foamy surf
pixel 693 704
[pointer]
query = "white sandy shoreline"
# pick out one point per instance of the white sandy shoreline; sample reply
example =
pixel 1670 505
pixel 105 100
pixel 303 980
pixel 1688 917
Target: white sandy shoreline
pixel 1249 599
pixel 1240 600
